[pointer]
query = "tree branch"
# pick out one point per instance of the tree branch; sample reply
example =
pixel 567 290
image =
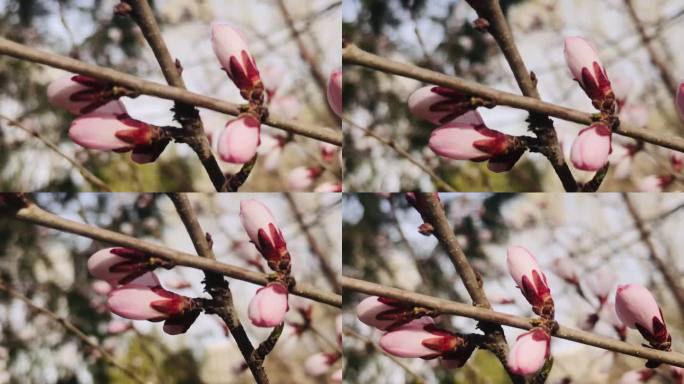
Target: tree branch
pixel 434 215
pixel 145 87
pixel 186 115
pixel 354 55
pixel 542 126
pixel 219 289
pixel 36 215
pixel 69 326
pixel 481 314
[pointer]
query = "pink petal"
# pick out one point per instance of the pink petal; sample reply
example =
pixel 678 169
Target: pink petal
pixel 238 142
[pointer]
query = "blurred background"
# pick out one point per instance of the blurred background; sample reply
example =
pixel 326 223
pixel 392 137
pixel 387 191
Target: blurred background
pixel 438 35
pixel 88 30
pixel 595 233
pixel 50 268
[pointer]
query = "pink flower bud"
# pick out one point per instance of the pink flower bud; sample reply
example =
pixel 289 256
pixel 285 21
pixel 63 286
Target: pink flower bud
pixel 601 282
pixel 231 50
pixel 137 302
pixel 118 265
pixel 270 149
pixel 319 364
pixel 680 101
pixel 258 222
pixel 118 133
pixel 438 105
pixel 268 307
pixel 417 339
pixel 370 311
pixel 654 183
pixel 117 327
pixel 82 94
pixel 477 143
pixel 239 140
pixel 565 269
pixel 335 92
pixel 634 114
pixel 328 151
pixel 637 376
pixel 301 178
pixel 329 187
pixel 677 161
pixel 586 68
pixel 637 308
pixel 101 287
pixel 591 148
pixel 530 351
pixel 526 273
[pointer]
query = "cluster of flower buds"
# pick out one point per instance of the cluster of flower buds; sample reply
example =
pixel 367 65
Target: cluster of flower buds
pixel 411 332
pixel 637 309
pixel 240 138
pixel 335 92
pixel 320 363
pixel 137 294
pixel 533 348
pixel 103 123
pixel 462 134
pixel 593 144
pixel 270 304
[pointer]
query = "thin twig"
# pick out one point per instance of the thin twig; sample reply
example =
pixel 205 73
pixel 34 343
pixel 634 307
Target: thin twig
pixel 69 326
pixel 20 51
pixel 327 269
pixel 418 379
pixel 658 61
pixel 447 307
pixel 669 272
pixel 87 175
pixel 441 183
pixel 36 215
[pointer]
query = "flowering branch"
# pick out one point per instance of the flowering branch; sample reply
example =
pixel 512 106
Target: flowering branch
pixel 541 125
pixel 145 87
pixel 69 326
pixel 186 115
pixel 220 292
pixel 327 269
pixel 31 213
pixel 432 211
pixel 487 315
pixel 354 55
